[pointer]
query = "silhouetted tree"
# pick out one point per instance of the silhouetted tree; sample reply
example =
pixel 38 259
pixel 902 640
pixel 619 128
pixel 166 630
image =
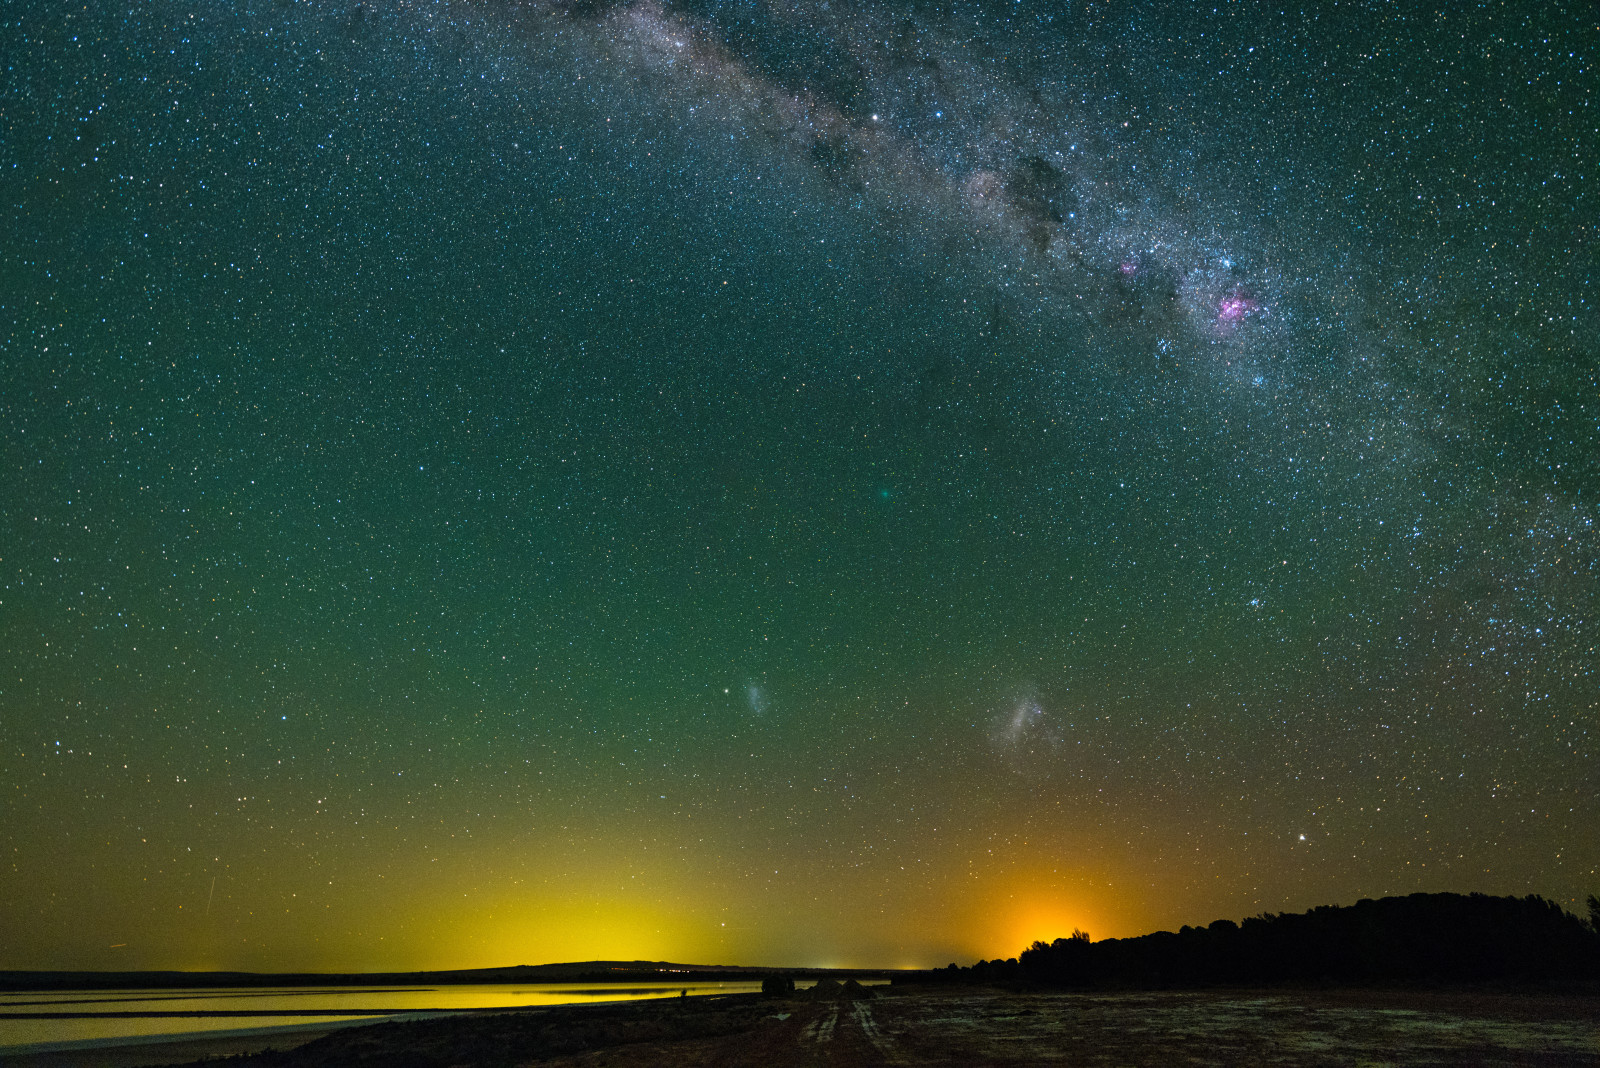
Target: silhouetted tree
pixel 1449 938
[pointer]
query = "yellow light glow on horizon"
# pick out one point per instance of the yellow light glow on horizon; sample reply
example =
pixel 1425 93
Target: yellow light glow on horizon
pixel 545 931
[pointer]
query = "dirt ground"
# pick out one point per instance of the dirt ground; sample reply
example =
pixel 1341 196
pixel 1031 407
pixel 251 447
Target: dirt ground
pixel 965 1026
pixel 1162 1029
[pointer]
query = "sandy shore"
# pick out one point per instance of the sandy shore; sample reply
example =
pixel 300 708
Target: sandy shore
pixel 128 1053
pixel 945 1027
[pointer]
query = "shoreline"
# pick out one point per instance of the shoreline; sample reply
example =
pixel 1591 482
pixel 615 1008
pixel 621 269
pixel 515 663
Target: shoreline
pixel 934 1025
pixel 135 1051
pixel 132 1051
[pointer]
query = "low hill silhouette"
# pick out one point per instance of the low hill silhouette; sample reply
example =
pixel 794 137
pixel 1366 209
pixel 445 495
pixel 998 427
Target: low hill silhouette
pixel 1436 939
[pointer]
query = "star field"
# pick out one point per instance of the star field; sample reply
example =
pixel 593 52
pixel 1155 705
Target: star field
pixel 818 484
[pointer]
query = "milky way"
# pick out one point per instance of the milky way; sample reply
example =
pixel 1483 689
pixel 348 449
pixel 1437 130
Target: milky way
pixel 489 483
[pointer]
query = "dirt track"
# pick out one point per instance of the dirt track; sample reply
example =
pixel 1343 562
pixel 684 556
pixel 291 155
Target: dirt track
pixel 993 1028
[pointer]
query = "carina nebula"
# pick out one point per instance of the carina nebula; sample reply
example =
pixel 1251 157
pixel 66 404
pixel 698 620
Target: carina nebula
pixel 807 484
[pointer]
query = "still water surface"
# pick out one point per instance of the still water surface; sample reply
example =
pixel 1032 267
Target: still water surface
pixel 261 1008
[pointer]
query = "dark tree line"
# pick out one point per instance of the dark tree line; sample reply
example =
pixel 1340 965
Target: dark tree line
pixel 1422 938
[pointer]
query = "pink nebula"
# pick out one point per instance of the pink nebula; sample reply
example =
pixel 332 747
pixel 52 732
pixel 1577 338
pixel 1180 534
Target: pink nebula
pixel 1234 308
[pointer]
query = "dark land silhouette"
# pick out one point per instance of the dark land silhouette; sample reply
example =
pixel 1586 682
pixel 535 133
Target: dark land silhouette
pixel 1427 939
pixel 1420 938
pixel 592 971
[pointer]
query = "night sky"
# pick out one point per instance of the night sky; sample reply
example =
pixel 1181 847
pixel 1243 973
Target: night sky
pixel 779 483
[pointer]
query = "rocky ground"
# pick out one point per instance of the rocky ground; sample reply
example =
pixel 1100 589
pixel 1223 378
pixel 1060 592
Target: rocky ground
pixel 988 1027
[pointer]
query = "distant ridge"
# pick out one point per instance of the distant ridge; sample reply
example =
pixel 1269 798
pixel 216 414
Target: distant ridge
pixel 589 971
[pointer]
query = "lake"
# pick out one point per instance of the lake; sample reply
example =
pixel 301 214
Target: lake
pixel 39 1021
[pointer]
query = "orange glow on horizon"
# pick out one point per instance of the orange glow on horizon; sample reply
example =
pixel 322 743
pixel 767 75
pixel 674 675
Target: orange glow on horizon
pixel 1043 921
pixel 1037 907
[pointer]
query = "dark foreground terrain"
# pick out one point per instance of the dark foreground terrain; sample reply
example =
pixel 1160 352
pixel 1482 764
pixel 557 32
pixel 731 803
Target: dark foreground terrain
pixel 977 1026
pixel 967 1026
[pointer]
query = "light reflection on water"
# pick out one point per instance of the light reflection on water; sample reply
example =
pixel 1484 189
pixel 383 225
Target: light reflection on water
pixel 347 1004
